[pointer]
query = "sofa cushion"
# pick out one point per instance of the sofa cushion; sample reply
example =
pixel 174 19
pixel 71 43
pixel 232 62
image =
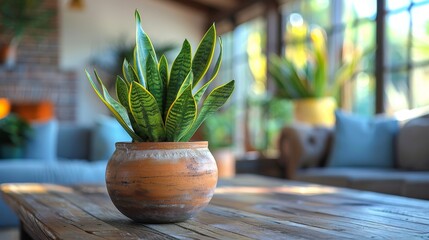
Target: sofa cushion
pixel 391 181
pixel 363 142
pixel 107 131
pixel 416 185
pixel 324 176
pixel 413 145
pixel 78 141
pixel 42 144
pixel 65 172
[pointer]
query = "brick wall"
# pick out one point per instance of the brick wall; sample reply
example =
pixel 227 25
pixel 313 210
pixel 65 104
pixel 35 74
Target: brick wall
pixel 36 75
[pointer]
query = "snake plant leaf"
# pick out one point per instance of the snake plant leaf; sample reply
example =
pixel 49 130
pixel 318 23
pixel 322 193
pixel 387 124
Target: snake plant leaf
pixel 122 92
pixel 204 54
pixel 188 81
pixel 179 71
pixel 121 110
pixel 157 102
pixel 163 73
pixel 278 77
pixel 202 90
pixel 346 71
pixel 129 72
pixel 115 113
pixel 146 112
pixel 321 58
pixel 211 104
pixel 144 49
pixel 163 70
pixel 155 84
pixel 293 78
pixel 181 115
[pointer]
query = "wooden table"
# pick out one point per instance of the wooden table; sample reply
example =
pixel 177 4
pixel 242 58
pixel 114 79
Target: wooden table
pixel 247 207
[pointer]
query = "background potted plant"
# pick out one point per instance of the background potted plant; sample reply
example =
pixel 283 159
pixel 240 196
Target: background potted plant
pixel 310 86
pixel 16 18
pixel 14 132
pixel 160 176
pixel 219 131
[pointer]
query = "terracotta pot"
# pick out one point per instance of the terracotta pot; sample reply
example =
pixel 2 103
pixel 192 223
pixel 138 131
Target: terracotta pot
pixel 225 161
pixel 161 182
pixel 315 111
pixel 8 54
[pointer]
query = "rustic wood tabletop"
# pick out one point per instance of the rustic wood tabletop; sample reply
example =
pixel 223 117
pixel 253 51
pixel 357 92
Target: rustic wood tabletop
pixel 245 207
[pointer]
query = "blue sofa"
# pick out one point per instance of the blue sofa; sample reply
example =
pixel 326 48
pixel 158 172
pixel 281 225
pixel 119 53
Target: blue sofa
pixel 365 154
pixel 62 153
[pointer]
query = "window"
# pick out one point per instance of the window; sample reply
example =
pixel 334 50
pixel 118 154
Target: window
pixel 407 54
pixel 350 25
pixel 245 61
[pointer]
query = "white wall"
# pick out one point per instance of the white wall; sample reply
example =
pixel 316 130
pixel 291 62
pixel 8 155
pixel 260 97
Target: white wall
pixel 87 33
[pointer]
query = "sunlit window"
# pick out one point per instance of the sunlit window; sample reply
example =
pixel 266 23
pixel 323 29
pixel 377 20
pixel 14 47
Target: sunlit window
pixel 350 25
pixel 407 54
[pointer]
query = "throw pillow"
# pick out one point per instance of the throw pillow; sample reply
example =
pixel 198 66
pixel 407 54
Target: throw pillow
pixel 363 142
pixel 42 144
pixel 106 133
pixel 413 145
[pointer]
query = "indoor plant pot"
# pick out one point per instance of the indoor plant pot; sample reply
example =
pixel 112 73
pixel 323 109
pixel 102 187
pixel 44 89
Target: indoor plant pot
pixel 175 180
pixel 308 84
pixel 316 111
pixel 161 177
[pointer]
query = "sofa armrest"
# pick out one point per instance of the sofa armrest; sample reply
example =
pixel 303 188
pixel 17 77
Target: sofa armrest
pixel 303 146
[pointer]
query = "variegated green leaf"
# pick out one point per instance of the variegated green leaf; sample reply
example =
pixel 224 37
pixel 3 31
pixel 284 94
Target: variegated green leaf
pixel 163 70
pixel 115 113
pixel 179 70
pixel 122 92
pixel 146 112
pixel 181 115
pixel 213 102
pixel 201 91
pixel 144 49
pixel 122 111
pixel 129 72
pixel 188 81
pixel 163 73
pixel 204 54
pixel 154 82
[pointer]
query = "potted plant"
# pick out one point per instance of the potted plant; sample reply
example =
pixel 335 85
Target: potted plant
pixel 14 132
pixel 16 18
pixel 160 176
pixel 309 85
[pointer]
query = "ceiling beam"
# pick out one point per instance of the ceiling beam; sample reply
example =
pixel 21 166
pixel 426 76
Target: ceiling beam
pixel 243 4
pixel 196 5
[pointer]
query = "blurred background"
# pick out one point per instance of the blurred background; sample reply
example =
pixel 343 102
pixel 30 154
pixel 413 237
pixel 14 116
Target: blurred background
pixel 45 47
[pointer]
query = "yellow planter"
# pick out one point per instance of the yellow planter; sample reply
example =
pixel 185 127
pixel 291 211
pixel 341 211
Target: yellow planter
pixel 315 111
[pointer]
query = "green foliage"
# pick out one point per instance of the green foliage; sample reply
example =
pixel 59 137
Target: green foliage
pixel 312 79
pixel 14 130
pixel 17 16
pixel 159 104
pixel 219 129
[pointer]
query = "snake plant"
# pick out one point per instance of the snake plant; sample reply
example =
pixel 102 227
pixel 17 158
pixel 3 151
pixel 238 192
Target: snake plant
pixel 312 79
pixel 157 103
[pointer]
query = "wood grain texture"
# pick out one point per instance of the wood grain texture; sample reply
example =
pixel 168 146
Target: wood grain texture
pixel 246 207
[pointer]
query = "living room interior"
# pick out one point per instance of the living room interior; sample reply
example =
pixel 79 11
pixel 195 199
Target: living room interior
pixel 330 92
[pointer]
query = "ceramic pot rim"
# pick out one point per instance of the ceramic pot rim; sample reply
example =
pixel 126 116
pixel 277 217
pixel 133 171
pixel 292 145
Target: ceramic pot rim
pixel 161 145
